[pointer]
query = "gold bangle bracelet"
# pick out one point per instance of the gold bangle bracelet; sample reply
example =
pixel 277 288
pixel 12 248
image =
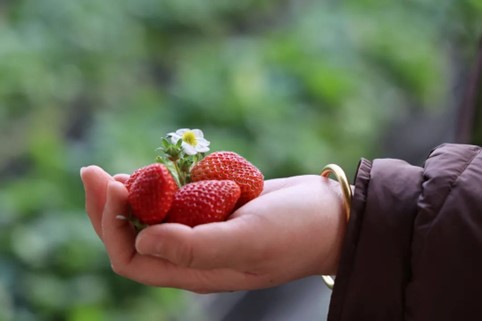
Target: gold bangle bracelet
pixel 347 196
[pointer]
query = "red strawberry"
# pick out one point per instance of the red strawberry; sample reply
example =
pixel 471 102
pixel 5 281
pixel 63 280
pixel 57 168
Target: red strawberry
pixel 151 192
pixel 204 202
pixel 229 165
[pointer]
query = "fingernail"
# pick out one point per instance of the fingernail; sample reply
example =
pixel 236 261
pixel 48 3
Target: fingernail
pixel 144 246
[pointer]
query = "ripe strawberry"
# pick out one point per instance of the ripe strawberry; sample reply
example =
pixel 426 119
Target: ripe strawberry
pixel 229 165
pixel 151 192
pixel 204 202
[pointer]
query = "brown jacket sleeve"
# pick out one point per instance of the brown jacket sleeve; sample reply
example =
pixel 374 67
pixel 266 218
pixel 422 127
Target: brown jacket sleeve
pixel 413 249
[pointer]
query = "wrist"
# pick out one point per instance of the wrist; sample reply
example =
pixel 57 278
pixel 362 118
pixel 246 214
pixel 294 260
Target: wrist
pixel 338 230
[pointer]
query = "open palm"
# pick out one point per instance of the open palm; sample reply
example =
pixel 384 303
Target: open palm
pixel 292 230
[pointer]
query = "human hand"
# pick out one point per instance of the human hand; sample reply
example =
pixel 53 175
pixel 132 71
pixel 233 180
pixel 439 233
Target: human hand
pixel 292 230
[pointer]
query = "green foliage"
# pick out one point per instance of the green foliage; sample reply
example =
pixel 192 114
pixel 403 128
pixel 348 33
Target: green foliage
pixel 288 85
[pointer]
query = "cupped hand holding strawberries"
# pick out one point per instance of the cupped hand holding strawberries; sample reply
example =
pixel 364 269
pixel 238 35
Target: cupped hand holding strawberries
pixel 221 230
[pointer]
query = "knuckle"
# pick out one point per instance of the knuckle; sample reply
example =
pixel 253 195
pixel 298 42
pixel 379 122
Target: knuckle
pixel 184 255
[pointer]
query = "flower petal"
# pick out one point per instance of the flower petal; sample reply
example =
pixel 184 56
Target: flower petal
pixel 202 149
pixel 174 137
pixel 182 131
pixel 203 142
pixel 198 133
pixel 188 149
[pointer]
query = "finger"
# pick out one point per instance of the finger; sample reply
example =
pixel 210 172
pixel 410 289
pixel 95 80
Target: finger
pixel 95 181
pixel 162 273
pixel 118 233
pixel 122 178
pixel 158 272
pixel 209 246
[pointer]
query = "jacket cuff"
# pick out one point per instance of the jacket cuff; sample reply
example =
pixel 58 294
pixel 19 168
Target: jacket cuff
pixel 376 251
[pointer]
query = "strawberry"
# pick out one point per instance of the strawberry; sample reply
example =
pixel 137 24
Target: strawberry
pixel 151 192
pixel 204 202
pixel 231 166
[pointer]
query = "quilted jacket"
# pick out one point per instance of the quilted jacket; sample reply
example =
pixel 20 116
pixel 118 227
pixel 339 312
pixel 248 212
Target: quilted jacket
pixel 413 249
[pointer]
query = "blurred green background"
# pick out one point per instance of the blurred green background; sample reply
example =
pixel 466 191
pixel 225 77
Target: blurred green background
pixel 291 85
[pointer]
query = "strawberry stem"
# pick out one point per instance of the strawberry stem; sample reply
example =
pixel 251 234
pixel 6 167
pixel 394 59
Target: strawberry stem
pixel 181 178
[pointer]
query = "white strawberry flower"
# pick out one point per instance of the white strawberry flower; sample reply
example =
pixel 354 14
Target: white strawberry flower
pixel 193 140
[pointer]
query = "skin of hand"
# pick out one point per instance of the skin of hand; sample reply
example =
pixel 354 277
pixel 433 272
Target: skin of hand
pixel 294 229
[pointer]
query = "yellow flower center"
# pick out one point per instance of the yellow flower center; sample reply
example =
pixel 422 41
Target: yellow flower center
pixel 189 138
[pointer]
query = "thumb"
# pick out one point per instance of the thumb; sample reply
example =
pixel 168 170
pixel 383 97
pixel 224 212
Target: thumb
pixel 209 246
